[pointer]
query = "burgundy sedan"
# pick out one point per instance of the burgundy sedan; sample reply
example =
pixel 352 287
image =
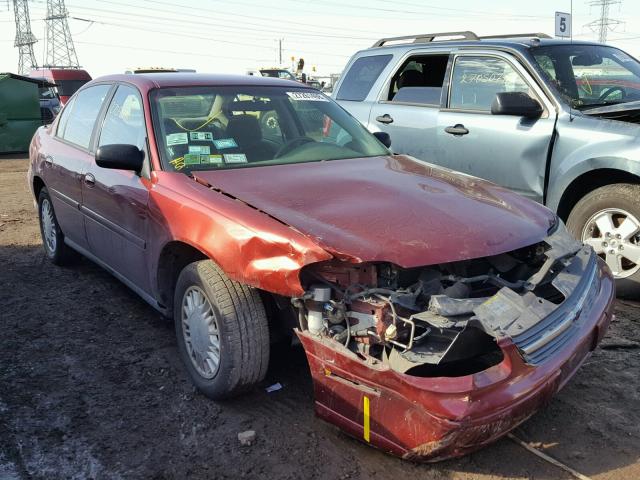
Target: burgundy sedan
pixel 437 311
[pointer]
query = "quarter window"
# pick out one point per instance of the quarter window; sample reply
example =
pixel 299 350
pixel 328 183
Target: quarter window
pixel 124 122
pixel 477 80
pixel 361 77
pixel 79 126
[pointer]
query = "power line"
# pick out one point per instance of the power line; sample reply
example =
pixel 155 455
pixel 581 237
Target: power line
pixel 604 24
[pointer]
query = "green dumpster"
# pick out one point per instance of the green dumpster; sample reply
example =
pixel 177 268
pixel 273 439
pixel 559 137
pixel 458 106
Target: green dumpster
pixel 19 112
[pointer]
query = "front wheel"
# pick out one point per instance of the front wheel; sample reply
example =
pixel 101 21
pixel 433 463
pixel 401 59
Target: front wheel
pixel 222 331
pixel 608 219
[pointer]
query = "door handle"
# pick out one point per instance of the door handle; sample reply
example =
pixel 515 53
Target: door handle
pixel 458 130
pixel 89 180
pixel 386 118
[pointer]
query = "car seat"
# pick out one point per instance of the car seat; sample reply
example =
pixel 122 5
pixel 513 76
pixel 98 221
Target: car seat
pixel 245 130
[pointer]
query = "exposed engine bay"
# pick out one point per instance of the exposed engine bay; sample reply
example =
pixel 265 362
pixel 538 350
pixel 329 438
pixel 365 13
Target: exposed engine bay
pixel 445 320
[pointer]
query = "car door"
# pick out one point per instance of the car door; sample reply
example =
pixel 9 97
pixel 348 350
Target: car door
pixel 409 103
pixel 508 150
pixel 67 157
pixel 114 202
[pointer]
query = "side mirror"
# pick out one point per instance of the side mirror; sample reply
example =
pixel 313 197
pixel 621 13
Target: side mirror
pixel 518 104
pixel 384 138
pixel 120 156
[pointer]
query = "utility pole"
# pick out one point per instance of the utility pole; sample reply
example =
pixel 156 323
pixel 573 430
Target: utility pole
pixel 24 37
pixel 280 50
pixel 60 49
pixel 604 24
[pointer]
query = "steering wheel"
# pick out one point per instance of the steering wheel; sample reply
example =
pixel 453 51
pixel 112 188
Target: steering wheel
pixel 292 145
pixel 608 91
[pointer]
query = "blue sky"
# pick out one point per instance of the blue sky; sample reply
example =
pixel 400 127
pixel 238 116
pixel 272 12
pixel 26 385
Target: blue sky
pixel 236 35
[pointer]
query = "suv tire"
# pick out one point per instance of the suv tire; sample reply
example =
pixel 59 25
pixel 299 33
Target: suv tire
pixel 597 219
pixel 52 237
pixel 222 331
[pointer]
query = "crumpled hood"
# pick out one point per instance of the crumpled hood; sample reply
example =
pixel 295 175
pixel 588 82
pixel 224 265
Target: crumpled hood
pixel 393 208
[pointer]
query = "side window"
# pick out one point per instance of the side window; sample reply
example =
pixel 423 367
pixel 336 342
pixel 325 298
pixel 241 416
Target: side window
pixel 86 107
pixel 361 77
pixel 476 80
pixel 64 118
pixel 124 122
pixel 419 80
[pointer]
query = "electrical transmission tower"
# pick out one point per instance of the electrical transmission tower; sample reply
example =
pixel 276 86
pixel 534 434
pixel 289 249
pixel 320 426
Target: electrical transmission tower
pixel 24 37
pixel 604 24
pixel 60 49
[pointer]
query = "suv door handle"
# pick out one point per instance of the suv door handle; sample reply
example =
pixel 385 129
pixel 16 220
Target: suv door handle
pixel 458 129
pixel 89 180
pixel 386 118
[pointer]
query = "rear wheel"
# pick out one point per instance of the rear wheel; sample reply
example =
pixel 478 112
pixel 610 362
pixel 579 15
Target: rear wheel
pixel 608 219
pixel 52 238
pixel 222 332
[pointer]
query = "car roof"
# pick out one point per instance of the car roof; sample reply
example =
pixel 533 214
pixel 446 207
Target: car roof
pixel 149 81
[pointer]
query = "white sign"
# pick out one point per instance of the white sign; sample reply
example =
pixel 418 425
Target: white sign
pixel 563 24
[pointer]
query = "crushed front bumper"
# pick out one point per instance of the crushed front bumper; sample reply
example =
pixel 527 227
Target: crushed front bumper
pixel 432 419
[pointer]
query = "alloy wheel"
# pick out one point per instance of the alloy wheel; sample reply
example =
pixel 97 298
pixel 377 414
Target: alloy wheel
pixel 614 234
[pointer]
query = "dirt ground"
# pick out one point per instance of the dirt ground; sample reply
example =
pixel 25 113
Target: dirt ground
pixel 91 387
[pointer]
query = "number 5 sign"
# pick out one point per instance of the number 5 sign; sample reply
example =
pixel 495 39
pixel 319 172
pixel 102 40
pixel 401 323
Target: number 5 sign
pixel 563 24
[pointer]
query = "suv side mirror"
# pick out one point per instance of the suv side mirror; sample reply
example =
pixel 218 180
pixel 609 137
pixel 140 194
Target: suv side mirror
pixel 120 156
pixel 516 103
pixel 384 138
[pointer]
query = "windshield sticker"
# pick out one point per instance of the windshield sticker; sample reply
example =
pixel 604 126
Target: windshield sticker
pixel 178 163
pixel 177 139
pixel 192 159
pixel 225 143
pixel 201 149
pixel 210 159
pixel 308 96
pixel 235 158
pixel 201 136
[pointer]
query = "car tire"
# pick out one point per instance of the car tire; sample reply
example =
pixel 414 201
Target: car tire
pixel 607 208
pixel 52 237
pixel 222 331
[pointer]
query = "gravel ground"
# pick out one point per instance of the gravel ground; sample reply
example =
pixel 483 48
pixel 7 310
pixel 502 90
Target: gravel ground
pixel 91 387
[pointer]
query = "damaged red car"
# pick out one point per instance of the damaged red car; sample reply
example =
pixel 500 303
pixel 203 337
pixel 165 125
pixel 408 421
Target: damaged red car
pixel 437 311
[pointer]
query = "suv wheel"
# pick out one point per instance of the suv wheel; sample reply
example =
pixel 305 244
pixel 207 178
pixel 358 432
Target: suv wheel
pixel 608 219
pixel 222 331
pixel 52 238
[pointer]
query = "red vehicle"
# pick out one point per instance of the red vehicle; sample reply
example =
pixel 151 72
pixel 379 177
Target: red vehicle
pixel 67 80
pixel 437 311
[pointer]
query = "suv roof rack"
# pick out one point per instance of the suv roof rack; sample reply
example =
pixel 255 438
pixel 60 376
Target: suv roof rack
pixel 518 35
pixel 465 35
pixel 426 38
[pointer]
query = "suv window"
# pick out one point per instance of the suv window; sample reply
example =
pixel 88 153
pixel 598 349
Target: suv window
pixel 124 122
pixel 419 80
pixel 477 80
pixel 361 77
pixel 84 114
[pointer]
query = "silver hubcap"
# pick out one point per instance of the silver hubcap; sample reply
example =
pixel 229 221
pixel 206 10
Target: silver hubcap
pixel 48 225
pixel 200 331
pixel 615 236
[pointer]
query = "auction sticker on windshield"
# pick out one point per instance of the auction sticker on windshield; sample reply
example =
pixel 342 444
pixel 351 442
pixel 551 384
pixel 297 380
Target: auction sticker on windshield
pixel 235 158
pixel 225 143
pixel 307 96
pixel 201 136
pixel 177 139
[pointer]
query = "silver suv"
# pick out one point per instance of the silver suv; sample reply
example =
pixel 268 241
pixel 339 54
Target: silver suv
pixel 554 120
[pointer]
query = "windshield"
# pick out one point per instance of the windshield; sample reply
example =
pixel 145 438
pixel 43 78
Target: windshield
pixel 66 88
pixel 207 128
pixel 277 73
pixel 590 75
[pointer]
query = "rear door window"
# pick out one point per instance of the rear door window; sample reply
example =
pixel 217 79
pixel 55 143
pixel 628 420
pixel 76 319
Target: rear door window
pixel 477 80
pixel 82 119
pixel 361 76
pixel 419 80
